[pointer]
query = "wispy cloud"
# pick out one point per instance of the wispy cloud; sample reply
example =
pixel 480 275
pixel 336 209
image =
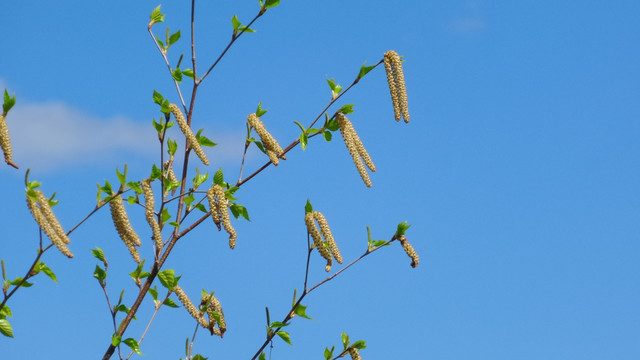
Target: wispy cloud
pixel 55 136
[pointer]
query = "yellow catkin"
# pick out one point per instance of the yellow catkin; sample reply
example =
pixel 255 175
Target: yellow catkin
pixel 188 305
pixel 168 168
pixel 213 304
pixel 397 86
pixel 309 220
pixel 149 204
pixel 326 232
pixel 123 226
pixel 354 353
pixel 5 142
pixel 347 131
pixel 47 228
pixel 188 133
pixel 411 252
pixel 51 217
pixel 271 146
pixel 219 206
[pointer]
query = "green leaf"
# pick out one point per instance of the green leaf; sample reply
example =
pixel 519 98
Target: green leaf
pixel 327 135
pixel 174 224
pixel 328 354
pixel 347 109
pixel 8 102
pixel 378 243
pixel 235 22
pixel 107 189
pixel 199 179
pixel 156 16
pixel 246 29
pixel 364 70
pixel 304 140
pixel 135 274
pixel 301 311
pixel 100 274
pixel 5 328
pixel 174 37
pixel 360 344
pixel 158 98
pixel 203 140
pixel 262 356
pixel 99 254
pixel 155 172
pixel 133 344
pixel 115 340
pixel 285 336
pixel 259 111
pixel 132 200
pixel 278 324
pixel 218 178
pixel 170 303
pixel 177 75
pixel 135 186
pixel 165 215
pixel 332 125
pixel 168 278
pixel 201 208
pixel 17 281
pixel 5 311
pixel 198 357
pixel 42 267
pixel 345 340
pixel 301 127
pixel 271 3
pixel 157 126
pixel 188 73
pixel 189 199
pixel 154 292
pixel 170 185
pixel 260 146
pixel 122 177
pixel 402 228
pixel 172 147
pixel 239 210
pixel 308 207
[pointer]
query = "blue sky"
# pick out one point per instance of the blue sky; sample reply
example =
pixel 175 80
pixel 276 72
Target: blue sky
pixel 518 173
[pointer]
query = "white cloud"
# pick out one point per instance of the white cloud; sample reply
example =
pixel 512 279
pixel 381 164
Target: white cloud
pixel 54 136
pixel 470 20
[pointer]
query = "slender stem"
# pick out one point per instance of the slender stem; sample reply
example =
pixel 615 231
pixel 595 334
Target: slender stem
pixel 166 60
pixel 244 156
pixel 155 312
pixel 291 313
pixel 193 340
pixel 28 274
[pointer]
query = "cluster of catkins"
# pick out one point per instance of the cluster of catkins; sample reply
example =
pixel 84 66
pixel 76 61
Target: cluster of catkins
pixel 46 219
pixel 328 250
pixel 211 306
pixel 271 146
pixel 5 141
pixel 219 206
pixel 355 147
pixel 415 259
pixel 397 86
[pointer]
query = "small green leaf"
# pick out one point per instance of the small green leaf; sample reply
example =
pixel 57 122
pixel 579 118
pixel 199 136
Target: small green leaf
pixel 174 37
pixel 364 70
pixel 304 140
pixel 17 281
pixel 308 207
pixel 285 336
pixel 177 75
pixel 5 328
pixel 135 274
pixel 122 177
pixel 262 356
pixel 327 135
pixel 199 357
pixel 201 208
pixel 278 324
pixel 239 210
pixel 246 29
pixel 115 340
pixel 347 109
pixel 157 126
pixel 271 3
pixel 328 354
pixel 174 224
pixel 135 186
pixel 301 311
pixel 332 125
pixel 189 199
pixel 218 178
pixel 158 98
pixel 172 147
pixel 154 292
pixel 360 344
pixel 170 303
pixel 168 278
pixel 99 254
pixel 301 127
pixel 260 146
pixel 156 16
pixel 188 73
pixel 8 102
pixel 100 274
pixel 402 228
pixel 203 140
pixel 345 340
pixel 47 271
pixel 155 172
pixel 235 22
pixel 259 111
pixel 5 311
pixel 133 344
pixel 199 179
